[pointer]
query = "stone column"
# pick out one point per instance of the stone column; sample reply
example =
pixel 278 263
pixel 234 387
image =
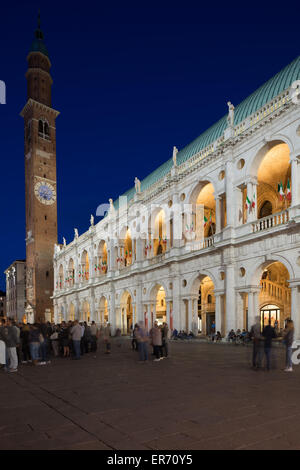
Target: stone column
pixel 252 195
pixel 112 311
pixel 55 306
pixel 239 310
pixel 139 306
pixel 256 303
pixel 229 193
pixel 92 308
pixel 295 181
pixel 230 298
pixel 251 314
pixel 188 324
pixel 139 250
pixel 218 312
pixel 168 312
pixel 150 323
pixel 76 306
pixel 218 214
pixel 238 206
pixel 176 303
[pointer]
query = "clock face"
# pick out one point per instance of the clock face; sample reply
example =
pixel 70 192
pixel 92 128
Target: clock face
pixel 45 192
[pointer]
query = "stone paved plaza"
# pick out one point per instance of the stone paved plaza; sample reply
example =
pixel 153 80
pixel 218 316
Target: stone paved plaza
pixel 205 396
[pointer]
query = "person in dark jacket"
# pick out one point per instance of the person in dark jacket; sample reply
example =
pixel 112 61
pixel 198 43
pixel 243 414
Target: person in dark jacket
pixel 288 339
pixel 268 334
pixel 34 343
pixel 8 334
pixel 24 335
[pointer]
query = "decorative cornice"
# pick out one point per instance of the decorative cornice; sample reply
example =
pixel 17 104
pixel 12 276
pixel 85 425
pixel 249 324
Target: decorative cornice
pixel 43 107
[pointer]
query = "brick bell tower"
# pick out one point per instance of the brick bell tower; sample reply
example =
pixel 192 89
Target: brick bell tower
pixel 40 182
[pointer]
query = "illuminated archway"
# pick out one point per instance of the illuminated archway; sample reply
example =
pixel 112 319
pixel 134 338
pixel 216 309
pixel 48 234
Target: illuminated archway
pixel 274 180
pixel 101 261
pixel 84 271
pixel 127 316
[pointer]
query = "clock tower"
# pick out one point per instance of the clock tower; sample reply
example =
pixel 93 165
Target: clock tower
pixel 40 182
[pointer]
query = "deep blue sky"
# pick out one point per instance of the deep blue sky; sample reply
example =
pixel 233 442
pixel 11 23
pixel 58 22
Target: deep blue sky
pixel 130 80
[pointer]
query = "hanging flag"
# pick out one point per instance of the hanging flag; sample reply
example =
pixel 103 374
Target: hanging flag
pixel 288 191
pixel 205 221
pixel 280 191
pixel 253 202
pixel 248 203
pixel 210 218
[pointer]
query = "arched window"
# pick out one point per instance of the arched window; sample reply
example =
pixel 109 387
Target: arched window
pixel 265 210
pixel 159 249
pixel 44 129
pixel 209 299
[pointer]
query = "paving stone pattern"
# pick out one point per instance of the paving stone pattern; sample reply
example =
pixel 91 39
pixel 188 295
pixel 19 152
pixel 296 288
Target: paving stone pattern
pixel 204 396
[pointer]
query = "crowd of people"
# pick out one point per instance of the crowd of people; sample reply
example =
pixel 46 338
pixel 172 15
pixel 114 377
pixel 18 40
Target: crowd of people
pixel 36 343
pixel 262 343
pixel 158 337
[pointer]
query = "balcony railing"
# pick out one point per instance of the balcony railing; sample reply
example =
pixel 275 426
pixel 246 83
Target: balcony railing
pixel 275 291
pixel 270 221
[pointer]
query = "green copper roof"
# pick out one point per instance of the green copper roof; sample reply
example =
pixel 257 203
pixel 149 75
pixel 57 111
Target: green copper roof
pixel 38 42
pixel 269 90
pixel 38 46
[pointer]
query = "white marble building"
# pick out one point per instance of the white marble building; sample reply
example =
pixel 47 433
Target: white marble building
pixel 213 235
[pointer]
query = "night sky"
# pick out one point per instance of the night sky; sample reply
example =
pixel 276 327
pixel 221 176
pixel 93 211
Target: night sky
pixel 131 80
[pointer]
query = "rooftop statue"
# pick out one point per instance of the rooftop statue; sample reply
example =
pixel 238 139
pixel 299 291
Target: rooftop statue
pixel 175 151
pixel 137 184
pixel 230 117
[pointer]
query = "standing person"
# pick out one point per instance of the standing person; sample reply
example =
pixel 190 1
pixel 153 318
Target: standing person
pixel 268 334
pixel 10 338
pixel 157 341
pixel 142 338
pixel 165 340
pixel 76 334
pixel 86 337
pixel 64 339
pixel 288 338
pixel 107 338
pixel 256 337
pixel 54 341
pixel 34 343
pixel 82 338
pixel 44 340
pixel 24 335
pixel 94 336
pixel 134 342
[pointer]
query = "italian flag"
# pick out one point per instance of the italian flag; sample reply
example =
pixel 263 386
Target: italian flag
pixel 248 203
pixel 210 218
pixel 205 221
pixel 253 202
pixel 280 191
pixel 288 191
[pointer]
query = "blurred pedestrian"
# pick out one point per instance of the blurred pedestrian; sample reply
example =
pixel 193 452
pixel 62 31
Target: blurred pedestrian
pixel 76 334
pixel 165 340
pixel 268 334
pixel 156 337
pixel 134 342
pixel 255 334
pixel 142 339
pixel 34 343
pixel 288 339
pixel 107 338
pixel 94 336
